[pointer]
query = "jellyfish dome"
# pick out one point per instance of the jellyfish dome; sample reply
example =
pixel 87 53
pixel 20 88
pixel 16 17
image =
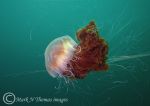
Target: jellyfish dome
pixel 58 54
pixel 65 58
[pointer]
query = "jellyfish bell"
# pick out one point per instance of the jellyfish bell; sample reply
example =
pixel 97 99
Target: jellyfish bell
pixel 57 55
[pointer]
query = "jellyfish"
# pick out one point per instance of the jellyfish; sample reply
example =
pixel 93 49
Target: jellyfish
pixel 65 58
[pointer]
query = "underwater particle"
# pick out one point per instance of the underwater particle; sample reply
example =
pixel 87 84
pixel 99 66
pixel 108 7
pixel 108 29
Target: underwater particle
pixel 65 58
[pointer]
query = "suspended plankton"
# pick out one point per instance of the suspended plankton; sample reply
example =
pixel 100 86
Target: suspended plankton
pixel 65 58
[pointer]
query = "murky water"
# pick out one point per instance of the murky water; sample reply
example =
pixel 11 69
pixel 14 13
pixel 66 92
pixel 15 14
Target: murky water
pixel 27 27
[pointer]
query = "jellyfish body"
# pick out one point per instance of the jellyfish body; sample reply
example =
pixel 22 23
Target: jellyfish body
pixel 65 58
pixel 58 54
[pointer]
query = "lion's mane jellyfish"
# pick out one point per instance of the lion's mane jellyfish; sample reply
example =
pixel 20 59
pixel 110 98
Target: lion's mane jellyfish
pixel 65 58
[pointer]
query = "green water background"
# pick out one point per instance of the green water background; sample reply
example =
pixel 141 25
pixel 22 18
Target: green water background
pixel 27 27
